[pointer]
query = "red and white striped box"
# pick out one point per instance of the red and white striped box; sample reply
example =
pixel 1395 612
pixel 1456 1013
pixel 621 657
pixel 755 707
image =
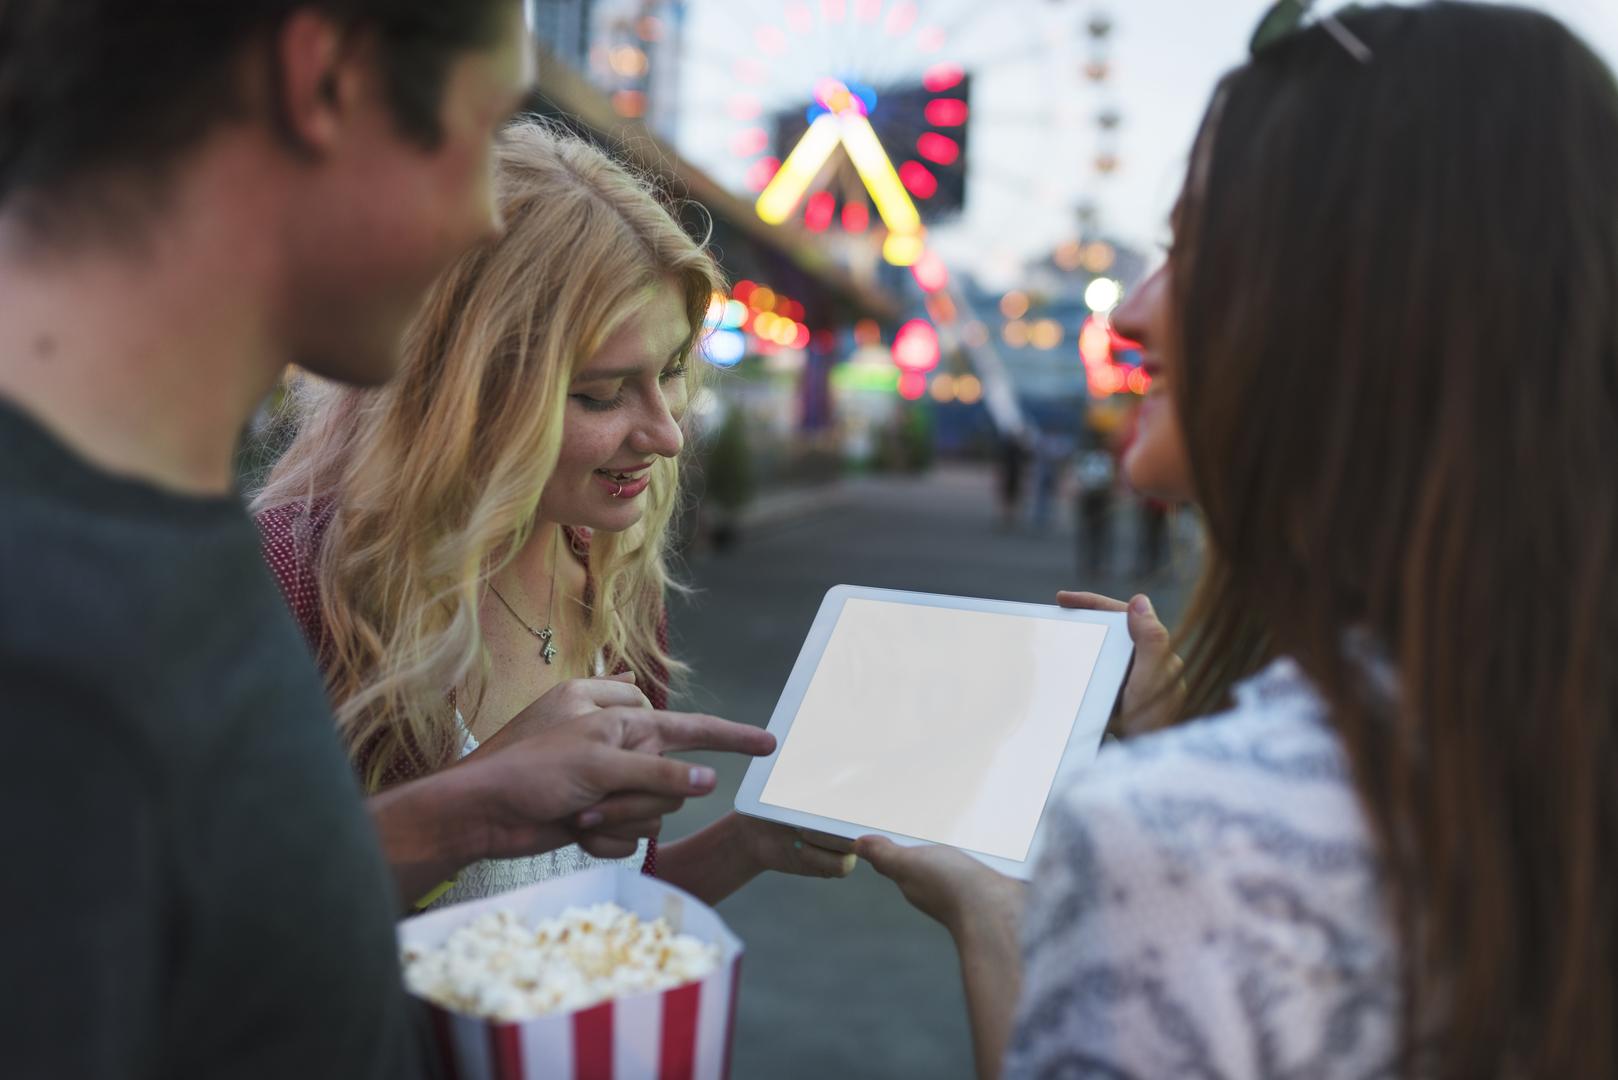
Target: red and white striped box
pixel 679 1034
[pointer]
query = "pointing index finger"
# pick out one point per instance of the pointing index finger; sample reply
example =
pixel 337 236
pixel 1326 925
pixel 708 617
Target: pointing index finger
pixel 1089 601
pixel 696 731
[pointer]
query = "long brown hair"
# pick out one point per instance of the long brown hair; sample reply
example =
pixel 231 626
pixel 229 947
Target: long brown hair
pixel 1397 307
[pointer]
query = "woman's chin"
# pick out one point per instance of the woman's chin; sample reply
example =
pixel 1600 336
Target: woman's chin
pixel 615 519
pixel 1147 474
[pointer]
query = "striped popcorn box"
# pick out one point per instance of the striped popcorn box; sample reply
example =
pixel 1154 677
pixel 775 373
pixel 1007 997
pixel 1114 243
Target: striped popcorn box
pixel 683 1033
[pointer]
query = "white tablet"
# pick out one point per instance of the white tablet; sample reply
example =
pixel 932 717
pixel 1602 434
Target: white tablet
pixel 938 719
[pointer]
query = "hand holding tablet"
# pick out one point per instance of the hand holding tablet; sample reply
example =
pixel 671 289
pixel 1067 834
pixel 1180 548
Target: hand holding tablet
pixel 937 719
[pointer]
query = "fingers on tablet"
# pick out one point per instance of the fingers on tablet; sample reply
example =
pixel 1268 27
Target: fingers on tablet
pixel 1089 601
pixel 694 731
pixel 819 862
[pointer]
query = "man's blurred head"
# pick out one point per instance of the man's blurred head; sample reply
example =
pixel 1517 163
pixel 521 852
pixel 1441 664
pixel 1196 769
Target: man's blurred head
pixel 359 133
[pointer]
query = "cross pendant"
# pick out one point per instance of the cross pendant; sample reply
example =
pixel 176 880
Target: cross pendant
pixel 548 653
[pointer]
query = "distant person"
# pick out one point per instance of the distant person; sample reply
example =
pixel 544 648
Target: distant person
pixel 192 195
pixel 1013 465
pixel 532 443
pixel 1384 839
pixel 1052 449
pixel 1096 484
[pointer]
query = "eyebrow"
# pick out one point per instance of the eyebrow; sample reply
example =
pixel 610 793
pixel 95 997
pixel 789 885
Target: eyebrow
pixel 605 376
pixel 622 373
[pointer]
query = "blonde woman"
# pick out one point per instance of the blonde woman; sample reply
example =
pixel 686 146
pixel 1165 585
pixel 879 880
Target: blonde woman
pixel 473 549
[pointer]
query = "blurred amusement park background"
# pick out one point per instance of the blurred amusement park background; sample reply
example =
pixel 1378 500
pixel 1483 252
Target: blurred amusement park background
pixel 911 203
pixel 920 272
pixel 926 212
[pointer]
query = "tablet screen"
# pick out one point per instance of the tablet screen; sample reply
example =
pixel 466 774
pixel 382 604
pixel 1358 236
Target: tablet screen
pixel 937 723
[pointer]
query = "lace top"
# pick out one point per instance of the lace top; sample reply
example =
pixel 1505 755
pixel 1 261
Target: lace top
pixel 1210 905
pixel 488 877
pixel 292 535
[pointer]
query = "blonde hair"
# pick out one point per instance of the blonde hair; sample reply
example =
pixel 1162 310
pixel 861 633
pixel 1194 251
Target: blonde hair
pixel 433 482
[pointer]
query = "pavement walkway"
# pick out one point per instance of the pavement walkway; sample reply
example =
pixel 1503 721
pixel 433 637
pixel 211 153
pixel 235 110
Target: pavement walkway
pixel 842 979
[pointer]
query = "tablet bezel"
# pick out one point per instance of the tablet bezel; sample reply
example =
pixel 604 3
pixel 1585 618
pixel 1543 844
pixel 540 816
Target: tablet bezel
pixel 1106 682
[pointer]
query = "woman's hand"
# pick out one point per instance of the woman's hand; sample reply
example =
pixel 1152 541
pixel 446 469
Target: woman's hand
pixel 786 850
pixel 714 862
pixel 568 700
pixel 965 896
pixel 1153 692
pixel 531 794
pixel 983 912
pixel 600 776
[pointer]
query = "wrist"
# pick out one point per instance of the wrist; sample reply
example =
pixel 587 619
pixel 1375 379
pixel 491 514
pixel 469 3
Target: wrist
pixel 436 820
pixel 989 919
pixel 736 834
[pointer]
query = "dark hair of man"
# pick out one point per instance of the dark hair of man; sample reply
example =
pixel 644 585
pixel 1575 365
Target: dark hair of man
pixel 90 88
pixel 1397 305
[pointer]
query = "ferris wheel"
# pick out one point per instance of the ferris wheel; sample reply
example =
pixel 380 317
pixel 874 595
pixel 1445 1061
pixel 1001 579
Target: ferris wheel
pixel 897 129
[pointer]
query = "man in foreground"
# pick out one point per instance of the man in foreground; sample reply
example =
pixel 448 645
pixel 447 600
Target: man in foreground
pixel 192 195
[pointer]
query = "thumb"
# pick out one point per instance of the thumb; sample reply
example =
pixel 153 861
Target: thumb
pixel 1146 630
pixel 612 770
pixel 885 857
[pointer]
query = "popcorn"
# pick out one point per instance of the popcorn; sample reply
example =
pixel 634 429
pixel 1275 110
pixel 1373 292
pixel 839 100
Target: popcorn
pixel 500 968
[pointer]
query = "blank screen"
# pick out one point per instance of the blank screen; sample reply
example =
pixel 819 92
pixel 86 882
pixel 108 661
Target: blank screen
pixel 936 723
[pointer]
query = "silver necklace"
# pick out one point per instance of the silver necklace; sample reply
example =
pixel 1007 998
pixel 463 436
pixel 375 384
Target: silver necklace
pixel 545 635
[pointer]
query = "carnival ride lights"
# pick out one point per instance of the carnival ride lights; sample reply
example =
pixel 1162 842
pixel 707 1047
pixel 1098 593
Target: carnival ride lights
pixel 915 352
pixel 1102 295
pixel 844 123
pixel 774 320
pixel 1099 345
pixel 724 348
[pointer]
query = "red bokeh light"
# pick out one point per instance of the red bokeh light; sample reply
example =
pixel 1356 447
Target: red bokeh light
pixel 938 148
pixel 1121 343
pixel 856 218
pixel 941 77
pixel 818 211
pixel 915 347
pixel 946 112
pixel 743 290
pixel 761 172
pixel 749 141
pixel 912 384
pixel 916 177
pixel 930 272
pixel 901 18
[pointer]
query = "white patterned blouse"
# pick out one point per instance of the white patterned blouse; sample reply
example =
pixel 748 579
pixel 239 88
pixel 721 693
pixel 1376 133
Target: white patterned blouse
pixel 1210 905
pixel 489 877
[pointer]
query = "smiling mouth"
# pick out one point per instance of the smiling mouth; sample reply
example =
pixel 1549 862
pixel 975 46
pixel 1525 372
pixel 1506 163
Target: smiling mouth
pixel 623 477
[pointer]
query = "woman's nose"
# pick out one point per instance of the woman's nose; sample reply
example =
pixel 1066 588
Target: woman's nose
pixel 659 433
pixel 1132 318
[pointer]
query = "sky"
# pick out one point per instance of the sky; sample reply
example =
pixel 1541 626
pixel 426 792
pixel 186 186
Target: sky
pixel 1033 140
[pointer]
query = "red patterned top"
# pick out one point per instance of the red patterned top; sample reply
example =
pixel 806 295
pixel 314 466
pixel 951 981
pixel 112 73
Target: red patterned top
pixel 292 535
